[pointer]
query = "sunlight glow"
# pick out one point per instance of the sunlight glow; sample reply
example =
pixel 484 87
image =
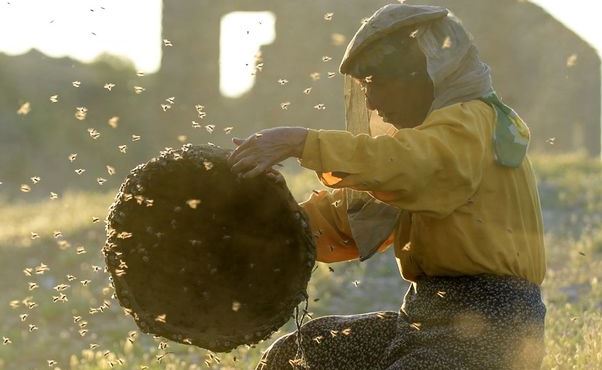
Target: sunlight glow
pixel 83 29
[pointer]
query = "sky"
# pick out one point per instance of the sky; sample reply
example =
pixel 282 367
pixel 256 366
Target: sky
pixel 83 29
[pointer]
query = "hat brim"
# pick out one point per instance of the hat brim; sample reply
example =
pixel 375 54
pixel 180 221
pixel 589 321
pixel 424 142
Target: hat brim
pixel 385 21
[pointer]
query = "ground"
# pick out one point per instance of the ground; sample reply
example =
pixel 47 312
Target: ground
pixel 88 331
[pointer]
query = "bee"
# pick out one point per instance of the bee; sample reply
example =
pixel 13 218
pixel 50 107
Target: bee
pixel 61 287
pixel 109 86
pixel 81 113
pixel 307 91
pixel 24 109
pixel 79 171
pixel 571 60
pixel 42 268
pixel 328 16
pixel 161 357
pixel 285 105
pixel 113 121
pixel 54 98
pixel 93 133
pixel 193 203
pixel 76 83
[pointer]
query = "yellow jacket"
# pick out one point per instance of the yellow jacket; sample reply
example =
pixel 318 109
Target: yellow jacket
pixel 466 213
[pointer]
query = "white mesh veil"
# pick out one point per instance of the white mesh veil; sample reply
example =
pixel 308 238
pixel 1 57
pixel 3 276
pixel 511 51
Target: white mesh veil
pixel 457 73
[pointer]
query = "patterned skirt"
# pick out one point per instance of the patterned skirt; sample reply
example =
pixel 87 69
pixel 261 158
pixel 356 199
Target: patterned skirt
pixel 466 322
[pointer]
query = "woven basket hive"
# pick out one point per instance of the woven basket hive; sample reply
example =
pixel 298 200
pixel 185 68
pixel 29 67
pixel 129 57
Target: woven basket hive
pixel 200 257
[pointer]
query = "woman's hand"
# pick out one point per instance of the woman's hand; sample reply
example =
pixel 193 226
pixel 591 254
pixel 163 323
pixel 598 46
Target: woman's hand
pixel 260 151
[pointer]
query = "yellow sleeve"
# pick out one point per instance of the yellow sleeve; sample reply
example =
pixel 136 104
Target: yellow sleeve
pixel 432 168
pixel 327 212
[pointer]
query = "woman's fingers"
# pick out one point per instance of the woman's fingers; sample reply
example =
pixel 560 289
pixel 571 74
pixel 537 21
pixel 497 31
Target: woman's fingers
pixel 260 168
pixel 244 165
pixel 242 145
pixel 275 175
pixel 241 154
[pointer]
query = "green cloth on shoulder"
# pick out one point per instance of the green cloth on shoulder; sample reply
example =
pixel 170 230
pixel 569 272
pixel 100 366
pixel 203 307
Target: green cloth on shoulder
pixel 511 135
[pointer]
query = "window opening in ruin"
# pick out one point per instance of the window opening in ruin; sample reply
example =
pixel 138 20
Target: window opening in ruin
pixel 241 36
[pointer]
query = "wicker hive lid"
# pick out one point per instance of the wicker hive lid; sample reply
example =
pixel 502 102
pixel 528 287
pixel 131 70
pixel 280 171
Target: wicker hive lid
pixel 200 257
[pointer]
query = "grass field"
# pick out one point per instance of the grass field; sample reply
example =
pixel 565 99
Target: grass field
pixel 88 330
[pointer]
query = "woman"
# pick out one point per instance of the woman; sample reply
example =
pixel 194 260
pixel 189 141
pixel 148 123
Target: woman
pixel 468 234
